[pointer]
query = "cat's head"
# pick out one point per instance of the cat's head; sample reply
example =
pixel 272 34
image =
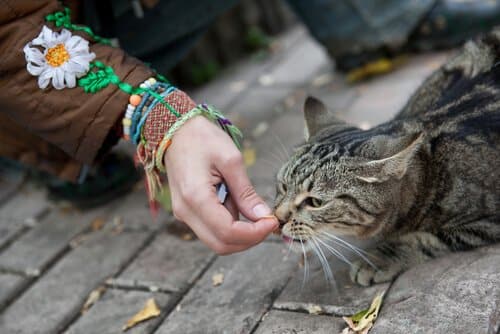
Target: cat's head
pixel 343 180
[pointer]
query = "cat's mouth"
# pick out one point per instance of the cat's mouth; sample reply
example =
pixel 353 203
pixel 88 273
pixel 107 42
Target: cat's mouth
pixel 292 240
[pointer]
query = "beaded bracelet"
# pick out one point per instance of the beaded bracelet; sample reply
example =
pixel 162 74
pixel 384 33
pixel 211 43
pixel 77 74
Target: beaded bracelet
pixel 134 101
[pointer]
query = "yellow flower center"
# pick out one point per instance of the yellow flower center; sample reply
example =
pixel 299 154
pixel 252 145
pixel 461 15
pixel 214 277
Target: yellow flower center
pixel 57 55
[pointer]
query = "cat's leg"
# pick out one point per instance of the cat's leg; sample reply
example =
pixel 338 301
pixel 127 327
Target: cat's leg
pixel 393 256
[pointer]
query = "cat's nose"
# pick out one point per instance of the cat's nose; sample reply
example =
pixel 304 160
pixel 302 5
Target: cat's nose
pixel 283 214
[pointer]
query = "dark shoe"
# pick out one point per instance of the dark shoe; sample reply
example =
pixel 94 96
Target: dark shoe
pixel 113 177
pixel 448 24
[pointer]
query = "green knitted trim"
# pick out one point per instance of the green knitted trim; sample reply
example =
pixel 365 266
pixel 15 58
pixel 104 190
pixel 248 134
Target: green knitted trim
pixel 95 81
pixel 63 19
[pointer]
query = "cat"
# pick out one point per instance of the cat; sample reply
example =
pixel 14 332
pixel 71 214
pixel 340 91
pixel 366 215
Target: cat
pixel 424 184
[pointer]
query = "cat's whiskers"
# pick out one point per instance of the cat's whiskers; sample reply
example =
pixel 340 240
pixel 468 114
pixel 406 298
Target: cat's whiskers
pixel 334 251
pixel 277 156
pixel 285 150
pixel 358 251
pixel 323 260
pixel 274 165
pixel 306 268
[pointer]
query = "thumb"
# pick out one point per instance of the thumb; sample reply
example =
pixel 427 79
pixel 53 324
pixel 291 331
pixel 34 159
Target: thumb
pixel 251 205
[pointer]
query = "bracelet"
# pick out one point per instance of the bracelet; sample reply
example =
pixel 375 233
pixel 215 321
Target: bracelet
pixel 202 109
pixel 152 117
pixel 137 102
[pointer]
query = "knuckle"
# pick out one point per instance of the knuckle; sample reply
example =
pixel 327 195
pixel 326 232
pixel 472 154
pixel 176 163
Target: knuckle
pixel 178 210
pixel 233 160
pixel 247 192
pixel 189 194
pixel 223 235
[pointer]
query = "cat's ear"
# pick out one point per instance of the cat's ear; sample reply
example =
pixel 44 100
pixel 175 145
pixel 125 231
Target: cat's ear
pixel 393 167
pixel 318 117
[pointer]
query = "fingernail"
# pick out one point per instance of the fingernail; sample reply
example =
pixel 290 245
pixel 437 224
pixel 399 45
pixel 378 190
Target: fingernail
pixel 261 210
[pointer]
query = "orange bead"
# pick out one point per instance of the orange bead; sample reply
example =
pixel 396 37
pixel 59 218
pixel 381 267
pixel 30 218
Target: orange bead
pixel 135 100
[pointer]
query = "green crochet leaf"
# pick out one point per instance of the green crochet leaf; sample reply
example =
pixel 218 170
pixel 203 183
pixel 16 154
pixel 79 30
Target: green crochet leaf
pixel 94 81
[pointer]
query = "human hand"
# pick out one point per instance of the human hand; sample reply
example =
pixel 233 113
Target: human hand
pixel 200 157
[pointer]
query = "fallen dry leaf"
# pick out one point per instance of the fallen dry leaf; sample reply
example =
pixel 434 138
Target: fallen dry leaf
pixel 150 310
pixel 362 322
pixel 260 129
pixel 249 156
pixel 322 79
pixel 266 80
pixel 217 279
pixel 97 224
pixel 92 298
pixel 118 226
pixel 314 309
pixel 187 237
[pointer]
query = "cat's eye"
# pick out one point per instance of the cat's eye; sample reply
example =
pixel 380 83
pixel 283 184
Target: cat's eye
pixel 314 202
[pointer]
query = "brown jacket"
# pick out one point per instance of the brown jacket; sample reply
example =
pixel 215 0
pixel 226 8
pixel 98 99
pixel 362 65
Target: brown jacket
pixel 75 122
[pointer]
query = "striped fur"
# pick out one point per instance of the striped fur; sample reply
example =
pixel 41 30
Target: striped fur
pixel 425 183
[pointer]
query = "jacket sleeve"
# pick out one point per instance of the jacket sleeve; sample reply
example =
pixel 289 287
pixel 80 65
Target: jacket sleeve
pixel 75 121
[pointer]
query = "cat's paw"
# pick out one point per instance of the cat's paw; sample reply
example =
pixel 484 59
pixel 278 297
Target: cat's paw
pixel 364 274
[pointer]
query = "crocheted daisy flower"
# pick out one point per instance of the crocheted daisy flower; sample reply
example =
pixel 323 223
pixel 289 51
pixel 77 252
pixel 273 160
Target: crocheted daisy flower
pixel 60 57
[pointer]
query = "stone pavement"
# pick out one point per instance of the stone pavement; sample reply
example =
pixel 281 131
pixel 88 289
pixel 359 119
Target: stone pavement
pixel 53 257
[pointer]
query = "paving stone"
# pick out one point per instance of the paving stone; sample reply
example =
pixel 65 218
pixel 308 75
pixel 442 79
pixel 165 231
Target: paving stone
pixel 379 100
pixel 251 281
pixel 11 179
pixel 132 213
pixel 300 64
pixel 168 263
pixel 273 148
pixel 33 251
pixel 453 294
pixel 9 230
pixel 27 206
pixel 23 209
pixel 256 105
pixel 233 82
pixel 111 312
pixel 10 285
pixel 339 298
pixel 280 322
pixel 54 300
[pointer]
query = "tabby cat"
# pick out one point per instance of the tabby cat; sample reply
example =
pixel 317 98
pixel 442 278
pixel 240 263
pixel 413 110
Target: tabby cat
pixel 425 183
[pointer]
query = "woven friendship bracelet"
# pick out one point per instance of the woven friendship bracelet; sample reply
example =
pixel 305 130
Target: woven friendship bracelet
pixel 204 110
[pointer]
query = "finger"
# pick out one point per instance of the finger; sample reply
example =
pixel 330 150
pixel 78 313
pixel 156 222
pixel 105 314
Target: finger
pixel 232 208
pixel 227 230
pixel 210 239
pixel 243 193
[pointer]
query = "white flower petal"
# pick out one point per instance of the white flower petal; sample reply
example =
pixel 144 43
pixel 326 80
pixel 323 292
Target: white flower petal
pixel 73 43
pixel 62 37
pixel 41 39
pixel 70 79
pixel 35 70
pixel 48 36
pixel 66 74
pixel 58 78
pixel 74 67
pixel 33 55
pixel 44 78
